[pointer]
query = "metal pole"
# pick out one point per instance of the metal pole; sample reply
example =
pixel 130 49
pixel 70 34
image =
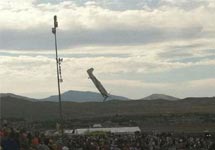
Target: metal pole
pixel 58 79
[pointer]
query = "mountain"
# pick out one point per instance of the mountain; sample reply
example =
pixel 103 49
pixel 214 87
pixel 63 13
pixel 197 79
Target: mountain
pixel 82 96
pixel 160 96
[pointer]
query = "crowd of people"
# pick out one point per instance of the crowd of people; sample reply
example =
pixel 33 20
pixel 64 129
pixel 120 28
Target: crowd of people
pixel 145 141
pixel 13 139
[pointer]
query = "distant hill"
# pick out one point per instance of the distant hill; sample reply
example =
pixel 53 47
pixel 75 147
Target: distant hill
pixel 11 95
pixel 160 96
pixel 17 107
pixel 82 96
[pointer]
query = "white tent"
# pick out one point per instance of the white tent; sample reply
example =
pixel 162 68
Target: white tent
pixel 117 130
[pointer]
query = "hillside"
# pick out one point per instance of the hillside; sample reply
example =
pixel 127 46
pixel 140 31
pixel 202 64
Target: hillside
pixel 82 96
pixel 11 95
pixel 12 107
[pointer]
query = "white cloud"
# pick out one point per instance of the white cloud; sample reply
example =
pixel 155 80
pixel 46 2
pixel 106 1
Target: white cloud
pixel 141 35
pixel 10 4
pixel 139 89
pixel 39 72
pixel 28 28
pixel 72 16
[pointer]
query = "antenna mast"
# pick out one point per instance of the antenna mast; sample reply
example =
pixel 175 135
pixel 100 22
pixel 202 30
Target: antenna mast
pixel 59 76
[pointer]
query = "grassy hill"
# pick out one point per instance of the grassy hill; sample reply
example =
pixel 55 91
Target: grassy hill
pixel 12 107
pixel 82 96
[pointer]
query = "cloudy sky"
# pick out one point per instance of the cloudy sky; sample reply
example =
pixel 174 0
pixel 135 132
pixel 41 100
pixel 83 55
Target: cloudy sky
pixel 137 47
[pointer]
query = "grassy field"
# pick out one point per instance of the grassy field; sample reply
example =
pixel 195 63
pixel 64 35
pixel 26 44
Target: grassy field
pixel 187 115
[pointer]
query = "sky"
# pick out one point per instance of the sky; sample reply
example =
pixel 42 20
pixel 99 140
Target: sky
pixel 137 47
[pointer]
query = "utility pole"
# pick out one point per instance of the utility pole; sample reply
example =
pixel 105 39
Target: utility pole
pixel 59 77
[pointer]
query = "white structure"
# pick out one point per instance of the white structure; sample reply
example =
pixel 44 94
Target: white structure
pixel 117 130
pixel 97 126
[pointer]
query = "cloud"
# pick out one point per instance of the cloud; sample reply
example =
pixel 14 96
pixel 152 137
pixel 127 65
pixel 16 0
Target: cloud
pixel 126 42
pixel 43 39
pixel 30 65
pixel 119 74
pixel 139 89
pixel 87 25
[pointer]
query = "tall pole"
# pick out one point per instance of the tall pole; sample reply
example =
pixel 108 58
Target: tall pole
pixel 58 62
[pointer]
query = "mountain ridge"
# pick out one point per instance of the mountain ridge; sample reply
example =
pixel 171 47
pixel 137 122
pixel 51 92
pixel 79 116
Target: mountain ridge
pixel 82 96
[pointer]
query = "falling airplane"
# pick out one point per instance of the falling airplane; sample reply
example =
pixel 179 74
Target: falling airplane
pixel 98 84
